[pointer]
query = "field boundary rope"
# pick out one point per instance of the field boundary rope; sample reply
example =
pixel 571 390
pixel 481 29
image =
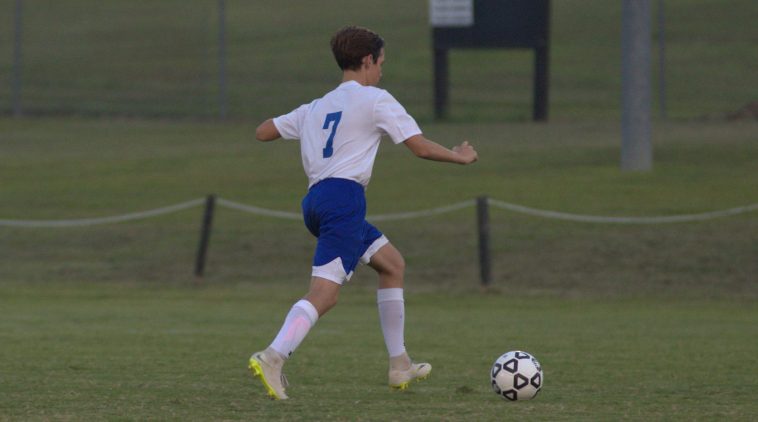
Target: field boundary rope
pixel 103 220
pixel 252 209
pixel 622 220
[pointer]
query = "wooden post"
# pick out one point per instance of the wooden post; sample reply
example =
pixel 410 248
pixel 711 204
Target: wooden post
pixel 483 223
pixel 441 80
pixel 541 82
pixel 205 235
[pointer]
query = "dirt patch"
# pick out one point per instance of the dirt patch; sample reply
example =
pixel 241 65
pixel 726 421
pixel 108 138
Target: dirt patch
pixel 748 112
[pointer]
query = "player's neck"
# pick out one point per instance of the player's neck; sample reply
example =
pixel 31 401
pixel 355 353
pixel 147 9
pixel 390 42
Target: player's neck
pixel 352 75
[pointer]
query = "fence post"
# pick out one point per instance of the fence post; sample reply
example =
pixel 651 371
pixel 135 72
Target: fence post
pixel 483 223
pixel 441 81
pixel 222 98
pixel 17 44
pixel 205 235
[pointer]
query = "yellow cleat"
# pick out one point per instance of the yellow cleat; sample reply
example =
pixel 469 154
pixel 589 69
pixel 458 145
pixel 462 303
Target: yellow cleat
pixel 401 379
pixel 268 367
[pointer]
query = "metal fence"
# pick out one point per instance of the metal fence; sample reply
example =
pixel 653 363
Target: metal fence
pixel 148 58
pixel 203 57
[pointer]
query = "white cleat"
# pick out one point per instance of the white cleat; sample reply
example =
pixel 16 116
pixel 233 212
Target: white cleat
pixel 400 379
pixel 267 365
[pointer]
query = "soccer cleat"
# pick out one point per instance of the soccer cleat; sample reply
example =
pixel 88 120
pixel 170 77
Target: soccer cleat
pixel 401 379
pixel 267 365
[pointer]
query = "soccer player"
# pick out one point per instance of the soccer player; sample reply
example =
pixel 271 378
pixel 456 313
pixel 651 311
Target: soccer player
pixel 339 137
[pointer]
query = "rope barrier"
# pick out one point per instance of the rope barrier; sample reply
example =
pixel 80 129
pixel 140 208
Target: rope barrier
pixel 622 220
pixel 382 217
pixel 102 220
pixel 259 211
pixel 386 217
pixel 481 203
pixel 422 213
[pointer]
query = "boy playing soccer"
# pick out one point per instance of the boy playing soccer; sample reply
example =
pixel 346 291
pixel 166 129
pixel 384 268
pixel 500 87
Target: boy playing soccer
pixel 339 137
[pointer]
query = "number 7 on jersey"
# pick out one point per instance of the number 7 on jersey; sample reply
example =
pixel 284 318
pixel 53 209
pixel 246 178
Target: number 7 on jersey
pixel 331 117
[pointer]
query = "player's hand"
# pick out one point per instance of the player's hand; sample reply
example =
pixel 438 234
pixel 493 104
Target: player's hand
pixel 467 152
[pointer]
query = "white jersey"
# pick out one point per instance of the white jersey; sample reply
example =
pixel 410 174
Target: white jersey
pixel 339 133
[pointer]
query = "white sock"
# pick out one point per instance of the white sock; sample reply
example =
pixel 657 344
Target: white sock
pixel 392 317
pixel 299 321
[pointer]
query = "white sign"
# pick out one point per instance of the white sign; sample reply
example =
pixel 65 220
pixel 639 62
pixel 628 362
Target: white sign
pixel 451 13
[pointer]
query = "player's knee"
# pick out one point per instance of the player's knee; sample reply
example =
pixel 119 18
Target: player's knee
pixel 388 262
pixel 395 266
pixel 401 265
pixel 330 301
pixel 323 294
pixel 322 302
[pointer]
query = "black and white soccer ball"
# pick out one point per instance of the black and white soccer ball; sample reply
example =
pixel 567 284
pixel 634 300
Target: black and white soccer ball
pixel 517 375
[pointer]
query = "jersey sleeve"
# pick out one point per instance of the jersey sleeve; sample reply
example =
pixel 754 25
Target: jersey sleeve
pixel 290 125
pixel 391 117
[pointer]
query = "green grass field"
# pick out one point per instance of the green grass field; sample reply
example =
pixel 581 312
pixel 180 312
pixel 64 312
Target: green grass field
pixel 630 322
pixel 634 322
pixel 141 352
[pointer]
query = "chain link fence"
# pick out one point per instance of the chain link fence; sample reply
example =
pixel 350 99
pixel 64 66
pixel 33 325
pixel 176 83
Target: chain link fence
pixel 116 57
pixel 210 58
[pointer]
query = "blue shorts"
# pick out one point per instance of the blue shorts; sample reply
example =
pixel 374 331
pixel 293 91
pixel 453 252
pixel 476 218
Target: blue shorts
pixel 334 210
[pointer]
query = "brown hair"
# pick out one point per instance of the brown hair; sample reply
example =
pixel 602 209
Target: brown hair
pixel 352 43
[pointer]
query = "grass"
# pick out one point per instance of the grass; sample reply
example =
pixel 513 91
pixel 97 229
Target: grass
pixel 630 322
pixel 115 167
pixel 136 352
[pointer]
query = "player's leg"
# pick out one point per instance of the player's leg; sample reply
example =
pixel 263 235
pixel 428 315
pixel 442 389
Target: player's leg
pixel 333 212
pixel 267 364
pixel 390 266
pixel 321 297
pixel 323 294
pixel 328 274
pixel 303 315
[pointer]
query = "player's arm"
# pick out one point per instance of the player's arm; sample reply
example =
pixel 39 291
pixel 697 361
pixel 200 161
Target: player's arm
pixel 267 131
pixel 430 150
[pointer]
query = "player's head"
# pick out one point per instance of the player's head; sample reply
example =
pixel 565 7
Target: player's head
pixel 352 43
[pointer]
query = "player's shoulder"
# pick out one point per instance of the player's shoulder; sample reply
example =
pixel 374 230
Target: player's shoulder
pixel 373 89
pixel 307 107
pixel 378 95
pixel 378 92
pixel 360 94
pixel 354 87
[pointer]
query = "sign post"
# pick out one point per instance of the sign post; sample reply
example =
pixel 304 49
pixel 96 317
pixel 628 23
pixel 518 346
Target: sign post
pixel 490 24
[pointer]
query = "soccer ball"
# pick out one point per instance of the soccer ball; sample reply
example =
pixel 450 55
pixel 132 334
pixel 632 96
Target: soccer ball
pixel 517 375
